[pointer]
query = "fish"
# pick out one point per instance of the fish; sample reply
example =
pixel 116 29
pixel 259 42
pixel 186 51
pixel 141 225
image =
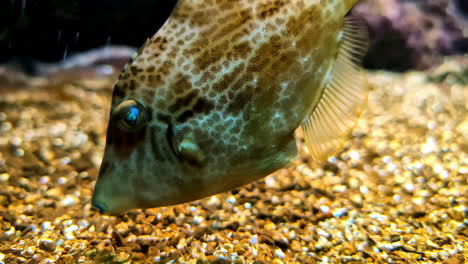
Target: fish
pixel 213 100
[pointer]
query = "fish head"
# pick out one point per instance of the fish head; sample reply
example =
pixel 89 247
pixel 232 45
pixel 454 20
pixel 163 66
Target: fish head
pixel 158 155
pixel 149 161
pixel 138 159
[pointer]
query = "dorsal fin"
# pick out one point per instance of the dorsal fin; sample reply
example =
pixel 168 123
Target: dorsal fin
pixel 344 96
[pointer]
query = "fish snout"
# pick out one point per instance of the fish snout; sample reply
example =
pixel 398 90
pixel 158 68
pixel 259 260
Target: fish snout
pixel 98 205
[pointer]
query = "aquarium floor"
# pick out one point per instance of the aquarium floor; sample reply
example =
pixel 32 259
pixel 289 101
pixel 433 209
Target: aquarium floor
pixel 396 193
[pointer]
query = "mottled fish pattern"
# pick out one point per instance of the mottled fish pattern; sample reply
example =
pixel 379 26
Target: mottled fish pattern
pixel 212 100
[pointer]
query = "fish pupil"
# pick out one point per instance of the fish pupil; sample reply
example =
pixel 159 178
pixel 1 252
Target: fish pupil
pixel 132 116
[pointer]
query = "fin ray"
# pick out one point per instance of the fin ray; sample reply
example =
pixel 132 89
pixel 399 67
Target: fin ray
pixel 343 97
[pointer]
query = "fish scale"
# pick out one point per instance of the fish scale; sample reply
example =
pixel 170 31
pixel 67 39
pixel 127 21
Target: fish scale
pixel 222 87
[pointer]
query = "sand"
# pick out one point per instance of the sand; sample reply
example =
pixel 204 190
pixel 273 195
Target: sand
pixel 396 193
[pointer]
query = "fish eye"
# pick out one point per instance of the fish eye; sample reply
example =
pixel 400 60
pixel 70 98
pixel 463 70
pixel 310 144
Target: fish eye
pixel 130 115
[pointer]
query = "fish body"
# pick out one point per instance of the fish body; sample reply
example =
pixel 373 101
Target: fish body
pixel 212 100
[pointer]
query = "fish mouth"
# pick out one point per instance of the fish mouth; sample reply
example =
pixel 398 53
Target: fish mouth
pixel 99 205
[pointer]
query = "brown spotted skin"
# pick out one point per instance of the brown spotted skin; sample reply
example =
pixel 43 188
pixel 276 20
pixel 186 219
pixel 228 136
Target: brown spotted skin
pixel 238 76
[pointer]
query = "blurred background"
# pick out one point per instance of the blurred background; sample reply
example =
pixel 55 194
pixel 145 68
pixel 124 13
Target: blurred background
pixel 405 34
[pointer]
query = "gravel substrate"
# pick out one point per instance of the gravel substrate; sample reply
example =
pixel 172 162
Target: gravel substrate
pixel 397 193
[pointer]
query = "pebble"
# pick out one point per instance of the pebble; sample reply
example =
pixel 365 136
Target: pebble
pixel 253 240
pixel 19 152
pixel 5 127
pixel 47 245
pixel 16 141
pixel 279 253
pixel 325 209
pixel 69 200
pixel 213 201
pixel 339 212
pixel 65 160
pixel 323 244
pixel 231 199
pixel 198 219
pixel 46 226
pixel 4 177
pixel 340 188
pixel 379 217
pixel 364 189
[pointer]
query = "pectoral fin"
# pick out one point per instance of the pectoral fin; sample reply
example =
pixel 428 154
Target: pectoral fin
pixel 344 96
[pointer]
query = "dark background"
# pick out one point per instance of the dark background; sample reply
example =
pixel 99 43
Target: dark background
pixel 50 30
pixel 46 30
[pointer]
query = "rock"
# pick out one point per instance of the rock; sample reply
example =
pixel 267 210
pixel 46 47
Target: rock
pixel 413 34
pixel 47 245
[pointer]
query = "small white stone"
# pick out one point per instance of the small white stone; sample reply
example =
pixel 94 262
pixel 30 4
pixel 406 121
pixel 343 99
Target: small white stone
pixel 423 193
pixel 379 217
pixel 409 187
pixel 57 142
pixel 4 177
pixel 58 129
pixel 325 209
pixel 198 219
pixel 364 189
pixel 279 253
pixel 429 146
pixel 10 231
pixel 83 224
pixel 69 236
pixel 323 233
pixel 213 201
pixel 354 155
pixel 65 160
pixel 339 188
pixel 391 167
pixel 46 226
pixel 444 175
pixel 270 182
pixel 431 125
pixel 6 127
pixel 69 200
pixel 463 170
pixel 19 152
pixel 62 180
pixel 16 141
pixel 419 201
pixel 275 199
pixel 79 139
pixel 253 240
pixel 387 159
pixel 23 181
pixel 339 212
pixel 44 179
pixel 231 199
